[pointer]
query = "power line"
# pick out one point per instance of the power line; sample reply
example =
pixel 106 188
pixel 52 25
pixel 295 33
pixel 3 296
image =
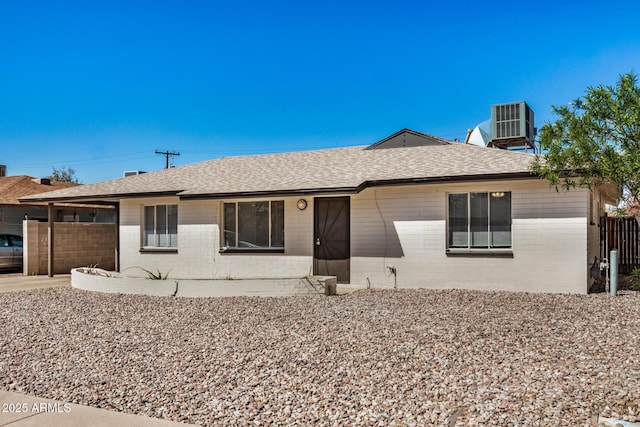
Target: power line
pixel 166 155
pixel 84 161
pixel 78 163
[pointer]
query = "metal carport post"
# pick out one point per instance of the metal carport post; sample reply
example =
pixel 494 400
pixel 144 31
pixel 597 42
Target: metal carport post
pixel 50 233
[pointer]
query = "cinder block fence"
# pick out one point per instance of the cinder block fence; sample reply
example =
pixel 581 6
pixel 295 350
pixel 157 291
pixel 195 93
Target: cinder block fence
pixel 75 244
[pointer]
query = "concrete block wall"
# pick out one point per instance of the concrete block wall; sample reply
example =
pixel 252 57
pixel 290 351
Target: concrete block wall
pixel 549 240
pixel 75 245
pixel 32 249
pixel 198 253
pixel 403 227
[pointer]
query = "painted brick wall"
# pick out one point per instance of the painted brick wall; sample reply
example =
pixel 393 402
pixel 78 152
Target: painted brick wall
pixel 549 238
pixel 402 227
pixel 75 245
pixel 198 254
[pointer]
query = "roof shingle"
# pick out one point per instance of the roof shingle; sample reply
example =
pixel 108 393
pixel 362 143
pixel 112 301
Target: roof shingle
pixel 14 187
pixel 346 169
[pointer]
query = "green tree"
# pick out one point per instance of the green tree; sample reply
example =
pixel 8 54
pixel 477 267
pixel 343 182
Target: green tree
pixel 64 175
pixel 595 140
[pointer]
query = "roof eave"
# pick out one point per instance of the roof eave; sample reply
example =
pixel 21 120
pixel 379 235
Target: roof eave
pixel 354 190
pixel 507 176
pixel 272 193
pixel 113 198
pixel 102 198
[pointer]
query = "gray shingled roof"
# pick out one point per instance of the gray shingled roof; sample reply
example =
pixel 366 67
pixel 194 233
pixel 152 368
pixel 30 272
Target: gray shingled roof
pixel 333 170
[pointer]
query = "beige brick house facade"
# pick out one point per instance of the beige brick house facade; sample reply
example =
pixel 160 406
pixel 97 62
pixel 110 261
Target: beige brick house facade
pixel 440 215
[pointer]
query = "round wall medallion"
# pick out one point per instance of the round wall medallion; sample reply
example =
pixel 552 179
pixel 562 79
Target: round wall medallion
pixel 302 204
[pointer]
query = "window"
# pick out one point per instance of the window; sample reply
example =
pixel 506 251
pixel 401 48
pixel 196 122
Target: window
pixel 257 225
pixel 161 226
pixel 480 220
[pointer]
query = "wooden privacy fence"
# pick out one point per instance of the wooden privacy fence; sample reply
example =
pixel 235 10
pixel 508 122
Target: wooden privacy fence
pixel 621 233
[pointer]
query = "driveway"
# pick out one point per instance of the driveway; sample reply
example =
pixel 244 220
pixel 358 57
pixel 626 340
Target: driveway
pixel 19 282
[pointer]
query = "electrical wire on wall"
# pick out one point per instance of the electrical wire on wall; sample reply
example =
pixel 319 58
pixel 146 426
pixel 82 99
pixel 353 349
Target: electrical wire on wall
pixel 387 270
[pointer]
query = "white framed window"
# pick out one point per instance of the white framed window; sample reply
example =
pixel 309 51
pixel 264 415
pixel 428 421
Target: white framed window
pixel 160 226
pixel 479 220
pixel 253 225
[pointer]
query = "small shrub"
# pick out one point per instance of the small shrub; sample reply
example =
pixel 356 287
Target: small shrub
pixel 150 274
pixel 156 276
pixel 94 270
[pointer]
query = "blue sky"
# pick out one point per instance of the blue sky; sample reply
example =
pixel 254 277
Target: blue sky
pixel 99 86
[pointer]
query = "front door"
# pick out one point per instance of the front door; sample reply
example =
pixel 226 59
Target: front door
pixel 332 243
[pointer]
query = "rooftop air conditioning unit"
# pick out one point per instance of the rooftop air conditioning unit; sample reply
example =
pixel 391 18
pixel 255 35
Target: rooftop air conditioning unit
pixel 512 125
pixel 131 173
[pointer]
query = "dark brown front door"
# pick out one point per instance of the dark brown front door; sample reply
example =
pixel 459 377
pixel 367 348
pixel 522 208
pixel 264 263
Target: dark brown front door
pixel 332 245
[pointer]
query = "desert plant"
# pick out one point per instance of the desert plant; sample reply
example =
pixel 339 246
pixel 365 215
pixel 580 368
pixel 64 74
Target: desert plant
pixel 595 140
pixel 94 270
pixel 155 276
pixel 91 269
pixel 150 274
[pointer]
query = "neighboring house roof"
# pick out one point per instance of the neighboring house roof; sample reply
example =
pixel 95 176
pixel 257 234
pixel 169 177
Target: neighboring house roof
pixel 14 187
pixel 347 170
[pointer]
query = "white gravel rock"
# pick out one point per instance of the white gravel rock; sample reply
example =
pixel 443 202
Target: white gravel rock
pixel 374 358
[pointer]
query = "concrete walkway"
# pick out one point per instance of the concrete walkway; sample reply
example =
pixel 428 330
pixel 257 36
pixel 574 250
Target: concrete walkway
pixel 21 410
pixel 20 282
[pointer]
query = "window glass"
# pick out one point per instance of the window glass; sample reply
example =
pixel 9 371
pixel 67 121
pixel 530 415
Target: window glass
pixel 172 224
pixel 458 231
pixel 16 241
pixel 500 219
pixel 479 221
pixel 253 224
pixel 4 241
pixel 277 224
pixel 229 225
pixel 149 226
pixel 161 226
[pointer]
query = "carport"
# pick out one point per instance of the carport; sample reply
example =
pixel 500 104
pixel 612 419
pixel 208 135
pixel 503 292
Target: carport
pixel 55 247
pixel 56 236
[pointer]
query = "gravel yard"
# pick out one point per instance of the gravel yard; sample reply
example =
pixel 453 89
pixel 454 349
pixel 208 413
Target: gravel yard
pixel 369 358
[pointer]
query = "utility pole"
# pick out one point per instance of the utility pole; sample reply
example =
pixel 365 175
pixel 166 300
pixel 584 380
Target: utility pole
pixel 166 155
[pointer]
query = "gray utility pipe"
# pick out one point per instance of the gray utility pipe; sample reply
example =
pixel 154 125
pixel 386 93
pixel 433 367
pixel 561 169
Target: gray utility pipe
pixel 613 260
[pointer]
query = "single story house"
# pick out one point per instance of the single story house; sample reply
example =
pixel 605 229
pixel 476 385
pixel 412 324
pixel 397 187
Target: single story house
pixel 410 211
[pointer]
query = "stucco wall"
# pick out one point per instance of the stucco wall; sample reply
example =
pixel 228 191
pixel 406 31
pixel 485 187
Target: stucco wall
pixel 75 244
pixel 401 227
